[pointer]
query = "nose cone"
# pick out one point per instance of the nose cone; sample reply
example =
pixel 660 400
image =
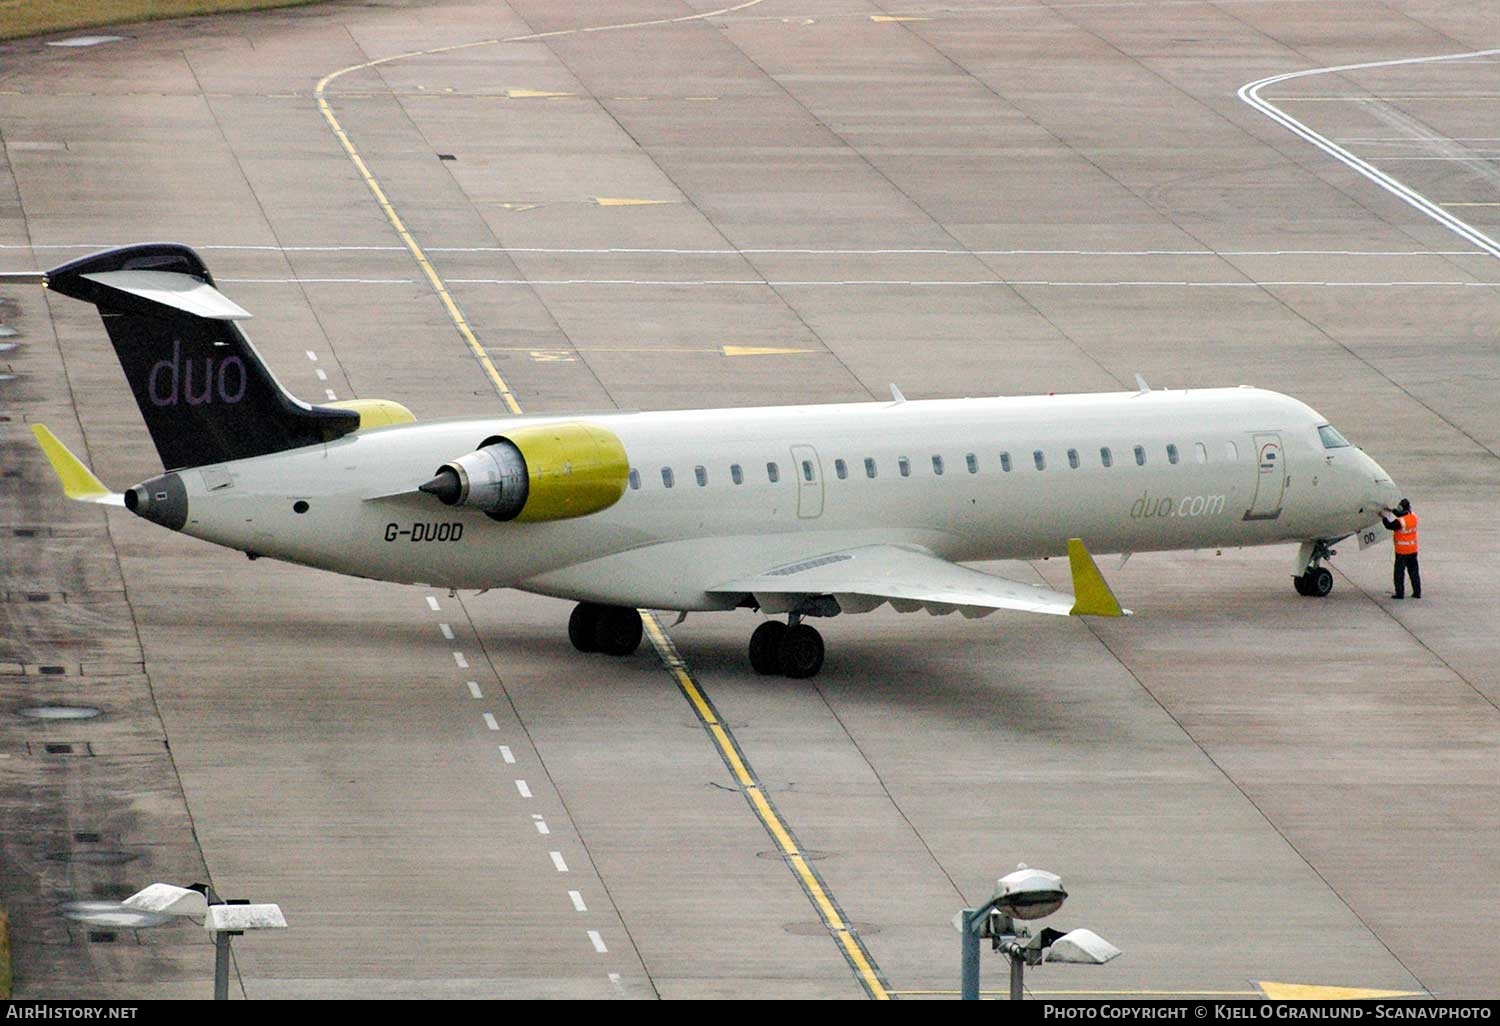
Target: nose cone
pixel 1381 489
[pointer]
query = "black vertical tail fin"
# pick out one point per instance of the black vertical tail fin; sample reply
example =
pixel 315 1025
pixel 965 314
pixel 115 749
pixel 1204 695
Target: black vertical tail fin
pixel 204 392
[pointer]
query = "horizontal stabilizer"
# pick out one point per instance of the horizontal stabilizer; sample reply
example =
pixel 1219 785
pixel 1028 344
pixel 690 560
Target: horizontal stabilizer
pixel 179 291
pixel 78 482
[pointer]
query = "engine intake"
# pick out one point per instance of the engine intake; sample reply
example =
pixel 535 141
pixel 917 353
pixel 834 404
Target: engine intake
pixel 547 472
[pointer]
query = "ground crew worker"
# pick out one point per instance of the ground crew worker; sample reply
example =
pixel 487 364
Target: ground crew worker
pixel 1403 526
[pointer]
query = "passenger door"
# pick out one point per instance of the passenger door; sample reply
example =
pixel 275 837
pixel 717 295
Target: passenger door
pixel 1270 478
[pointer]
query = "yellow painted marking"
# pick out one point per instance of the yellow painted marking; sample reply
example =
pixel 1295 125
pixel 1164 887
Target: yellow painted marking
pixel 534 94
pixel 78 481
pixel 759 351
pixel 723 739
pixel 627 201
pixel 1311 992
pixel 1096 993
pixel 897 17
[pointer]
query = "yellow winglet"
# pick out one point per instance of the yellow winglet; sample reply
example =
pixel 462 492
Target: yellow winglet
pixel 1091 595
pixel 78 481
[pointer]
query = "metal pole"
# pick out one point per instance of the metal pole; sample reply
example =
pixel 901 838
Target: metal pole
pixel 1017 971
pixel 969 987
pixel 221 965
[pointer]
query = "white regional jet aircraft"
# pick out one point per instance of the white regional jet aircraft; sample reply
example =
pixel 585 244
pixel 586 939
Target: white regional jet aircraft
pixel 799 511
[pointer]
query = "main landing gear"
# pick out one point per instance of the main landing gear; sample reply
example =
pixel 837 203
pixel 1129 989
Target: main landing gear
pixel 613 630
pixel 794 650
pixel 1316 580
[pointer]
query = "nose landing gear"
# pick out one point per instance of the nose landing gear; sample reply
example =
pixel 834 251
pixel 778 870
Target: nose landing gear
pixel 1315 580
pixel 794 650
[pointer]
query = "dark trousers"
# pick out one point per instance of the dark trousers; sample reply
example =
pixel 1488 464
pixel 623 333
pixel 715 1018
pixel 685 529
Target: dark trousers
pixel 1407 565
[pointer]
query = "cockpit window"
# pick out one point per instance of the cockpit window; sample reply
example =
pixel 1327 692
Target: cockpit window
pixel 1331 438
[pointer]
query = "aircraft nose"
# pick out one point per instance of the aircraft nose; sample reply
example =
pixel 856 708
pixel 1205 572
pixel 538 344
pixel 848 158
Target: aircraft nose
pixel 1383 489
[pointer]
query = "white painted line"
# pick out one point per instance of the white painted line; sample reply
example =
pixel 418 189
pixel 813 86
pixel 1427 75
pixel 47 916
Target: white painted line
pixel 523 788
pixel 542 827
pixel 329 393
pixel 578 904
pixel 489 721
pixel 557 860
pixel 321 373
pixel 1250 93
pixel 312 356
pixel 505 753
pixel 614 979
pixel 432 603
pixel 598 942
pixel 458 657
pixel 447 631
pixel 474 689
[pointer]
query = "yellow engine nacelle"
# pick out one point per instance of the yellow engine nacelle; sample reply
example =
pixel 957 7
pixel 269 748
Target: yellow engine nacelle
pixel 542 472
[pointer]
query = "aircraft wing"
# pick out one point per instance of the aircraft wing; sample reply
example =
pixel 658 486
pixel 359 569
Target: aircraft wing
pixel 862 578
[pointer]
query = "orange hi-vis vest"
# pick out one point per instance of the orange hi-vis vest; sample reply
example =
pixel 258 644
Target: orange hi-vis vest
pixel 1405 536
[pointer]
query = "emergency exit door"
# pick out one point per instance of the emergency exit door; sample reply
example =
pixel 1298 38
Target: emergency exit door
pixel 1270 478
pixel 809 481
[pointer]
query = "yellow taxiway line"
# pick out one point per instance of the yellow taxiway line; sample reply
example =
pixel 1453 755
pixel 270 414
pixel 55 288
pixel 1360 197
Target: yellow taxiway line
pixel 850 945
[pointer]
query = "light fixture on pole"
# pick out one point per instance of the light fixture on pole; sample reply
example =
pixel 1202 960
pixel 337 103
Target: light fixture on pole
pixel 1025 894
pixel 223 919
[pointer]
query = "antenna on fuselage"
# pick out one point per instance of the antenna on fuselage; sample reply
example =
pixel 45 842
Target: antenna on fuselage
pixel 1140 383
pixel 896 395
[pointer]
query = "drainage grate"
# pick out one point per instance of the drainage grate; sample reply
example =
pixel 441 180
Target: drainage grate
pixel 59 749
pixel 101 936
pixel 53 670
pixel 38 596
pixel 25 532
pixel 86 837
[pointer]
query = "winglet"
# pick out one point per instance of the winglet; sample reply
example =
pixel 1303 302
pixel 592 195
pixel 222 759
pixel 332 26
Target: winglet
pixel 78 481
pixel 1091 595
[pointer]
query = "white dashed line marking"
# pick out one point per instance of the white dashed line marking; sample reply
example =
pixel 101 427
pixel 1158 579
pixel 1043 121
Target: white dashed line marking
pixel 321 373
pixel 522 787
pixel 447 631
pixel 432 604
pixel 542 827
pixel 474 689
pixel 578 904
pixel 329 393
pixel 557 860
pixel 312 356
pixel 614 979
pixel 489 721
pixel 598 942
pixel 458 657
pixel 505 754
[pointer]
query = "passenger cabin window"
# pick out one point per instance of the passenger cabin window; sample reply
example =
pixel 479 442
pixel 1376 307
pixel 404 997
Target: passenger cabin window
pixel 973 463
pixel 773 472
pixel 1172 454
pixel 635 479
pixel 1005 462
pixel 1039 458
pixel 1106 458
pixel 807 470
pixel 1140 455
pixel 1073 458
pixel 1230 452
pixel 736 474
pixel 904 465
pixel 937 465
pixel 1331 438
pixel 1200 451
pixel 701 474
pixel 869 467
pixel 666 476
pixel 841 469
